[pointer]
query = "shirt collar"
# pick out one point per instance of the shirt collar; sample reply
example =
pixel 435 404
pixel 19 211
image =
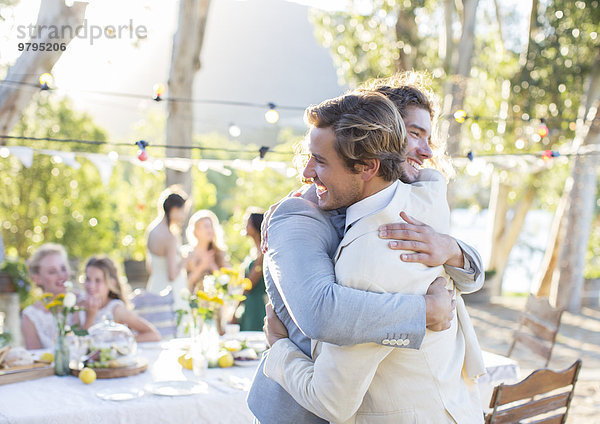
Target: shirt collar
pixel 371 204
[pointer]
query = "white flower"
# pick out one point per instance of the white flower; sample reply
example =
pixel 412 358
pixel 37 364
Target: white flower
pixel 223 279
pixel 68 285
pixel 184 293
pixel 69 300
pixel 209 283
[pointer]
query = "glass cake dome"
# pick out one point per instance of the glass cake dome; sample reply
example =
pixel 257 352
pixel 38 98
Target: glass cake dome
pixel 111 335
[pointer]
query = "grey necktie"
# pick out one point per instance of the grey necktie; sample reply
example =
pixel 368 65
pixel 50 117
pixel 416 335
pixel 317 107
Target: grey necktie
pixel 338 219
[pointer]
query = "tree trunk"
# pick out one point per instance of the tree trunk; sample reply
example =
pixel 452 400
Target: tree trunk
pixel 407 33
pixel 524 59
pixel 447 44
pixel 185 62
pixel 544 278
pixel 579 216
pixel 505 235
pixel 547 278
pixel 499 20
pixel 26 71
pixel 460 77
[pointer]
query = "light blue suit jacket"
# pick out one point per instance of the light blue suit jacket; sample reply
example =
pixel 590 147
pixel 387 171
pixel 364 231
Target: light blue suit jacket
pixel 300 281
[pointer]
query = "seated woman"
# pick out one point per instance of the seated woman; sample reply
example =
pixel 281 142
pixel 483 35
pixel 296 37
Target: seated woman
pixel 105 300
pixel 254 305
pixel 165 262
pixel 207 250
pixel 49 269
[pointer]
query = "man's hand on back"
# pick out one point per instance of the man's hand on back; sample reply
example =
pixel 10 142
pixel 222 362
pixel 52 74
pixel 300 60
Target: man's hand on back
pixel 273 328
pixel 430 247
pixel 439 305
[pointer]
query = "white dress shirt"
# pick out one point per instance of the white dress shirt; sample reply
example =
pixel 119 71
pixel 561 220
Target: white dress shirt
pixel 371 204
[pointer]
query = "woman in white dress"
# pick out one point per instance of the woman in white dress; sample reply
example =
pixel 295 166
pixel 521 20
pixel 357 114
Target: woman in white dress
pixel 105 301
pixel 164 260
pixel 49 269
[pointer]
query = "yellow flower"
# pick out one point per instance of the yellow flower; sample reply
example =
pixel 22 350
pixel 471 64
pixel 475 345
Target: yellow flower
pixel 60 297
pixel 246 284
pixel 202 295
pixel 216 299
pixel 53 304
pixel 47 296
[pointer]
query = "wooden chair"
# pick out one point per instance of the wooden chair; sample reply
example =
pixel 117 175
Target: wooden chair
pixel 157 309
pixel 535 389
pixel 541 322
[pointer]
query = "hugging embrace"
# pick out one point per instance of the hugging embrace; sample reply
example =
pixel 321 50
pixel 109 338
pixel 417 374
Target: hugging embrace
pixel 363 329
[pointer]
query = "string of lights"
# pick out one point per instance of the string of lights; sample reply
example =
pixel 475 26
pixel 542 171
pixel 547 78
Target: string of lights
pixel 142 145
pixel 271 115
pixel 262 151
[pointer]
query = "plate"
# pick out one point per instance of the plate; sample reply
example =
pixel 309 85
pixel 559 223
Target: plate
pixel 120 394
pixel 247 363
pixel 141 364
pixel 176 388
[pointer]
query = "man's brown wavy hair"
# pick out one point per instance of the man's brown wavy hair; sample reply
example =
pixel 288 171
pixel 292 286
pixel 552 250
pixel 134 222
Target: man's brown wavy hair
pixel 412 89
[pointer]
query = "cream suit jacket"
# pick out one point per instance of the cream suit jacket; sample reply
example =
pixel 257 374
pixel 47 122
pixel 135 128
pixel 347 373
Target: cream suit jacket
pixel 371 383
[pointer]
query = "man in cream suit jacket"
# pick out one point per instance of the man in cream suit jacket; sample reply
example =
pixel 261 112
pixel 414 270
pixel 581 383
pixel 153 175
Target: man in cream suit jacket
pixel 356 151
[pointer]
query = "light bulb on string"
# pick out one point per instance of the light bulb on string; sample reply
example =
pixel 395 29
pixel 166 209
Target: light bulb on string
pixel 142 155
pixel 460 116
pixel 263 151
pixel 271 115
pixel 45 80
pixel 234 130
pixel 548 154
pixel 159 89
pixel 542 129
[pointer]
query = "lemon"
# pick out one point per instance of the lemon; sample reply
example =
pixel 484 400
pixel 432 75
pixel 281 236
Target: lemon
pixel 47 357
pixel 87 375
pixel 225 360
pixel 186 361
pixel 232 345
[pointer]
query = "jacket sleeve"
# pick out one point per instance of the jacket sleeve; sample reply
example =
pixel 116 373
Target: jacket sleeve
pixel 471 278
pixel 298 258
pixel 334 385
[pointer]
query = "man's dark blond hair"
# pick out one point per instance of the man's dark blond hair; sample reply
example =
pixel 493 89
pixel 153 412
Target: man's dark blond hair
pixel 367 125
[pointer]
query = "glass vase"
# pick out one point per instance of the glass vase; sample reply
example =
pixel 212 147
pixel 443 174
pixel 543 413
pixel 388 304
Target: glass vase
pixel 61 356
pixel 209 339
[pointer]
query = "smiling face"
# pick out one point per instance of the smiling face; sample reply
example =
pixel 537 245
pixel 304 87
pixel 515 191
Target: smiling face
pixel 95 283
pixel 418 127
pixel 52 274
pixel 336 185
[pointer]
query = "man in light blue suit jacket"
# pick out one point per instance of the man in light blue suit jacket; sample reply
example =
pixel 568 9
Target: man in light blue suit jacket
pixel 300 280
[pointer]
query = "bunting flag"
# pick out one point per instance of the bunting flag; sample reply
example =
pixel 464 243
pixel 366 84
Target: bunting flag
pixel 104 164
pixel 60 156
pixel 23 153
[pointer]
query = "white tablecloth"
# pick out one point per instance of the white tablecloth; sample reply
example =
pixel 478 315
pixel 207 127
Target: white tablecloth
pixel 67 400
pixel 500 369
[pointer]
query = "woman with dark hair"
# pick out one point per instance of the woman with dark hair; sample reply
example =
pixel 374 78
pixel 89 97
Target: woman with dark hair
pixel 254 305
pixel 165 262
